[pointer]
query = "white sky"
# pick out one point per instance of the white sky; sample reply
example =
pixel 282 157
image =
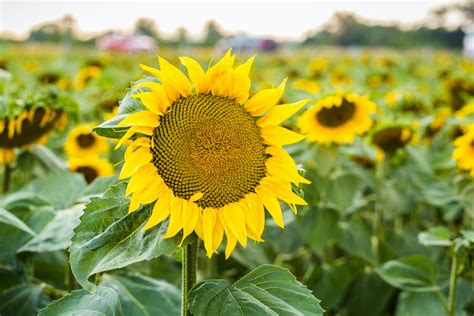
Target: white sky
pixel 271 18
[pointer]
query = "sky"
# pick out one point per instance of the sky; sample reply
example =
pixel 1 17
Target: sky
pixel 285 20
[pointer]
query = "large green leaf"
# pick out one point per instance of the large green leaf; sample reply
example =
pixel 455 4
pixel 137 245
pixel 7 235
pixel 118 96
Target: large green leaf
pixel 317 226
pixel 57 233
pixel 435 236
pixel 103 301
pixel 110 129
pixel 267 290
pixel 13 238
pixel 141 295
pixel 23 300
pixel 8 218
pixel 60 189
pixel 368 296
pixel 354 237
pixel 108 237
pixel 332 283
pixel 413 273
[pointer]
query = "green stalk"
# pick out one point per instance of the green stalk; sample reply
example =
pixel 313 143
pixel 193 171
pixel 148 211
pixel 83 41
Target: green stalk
pixel 6 178
pixel 452 284
pixel 189 270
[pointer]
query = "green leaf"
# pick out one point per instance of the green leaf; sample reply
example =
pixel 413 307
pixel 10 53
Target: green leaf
pixel 435 236
pixel 355 238
pixel 48 157
pixel 344 192
pixel 413 273
pixel 419 303
pixel 318 228
pixel 108 237
pixel 267 290
pixel 26 299
pixel 110 129
pixel 368 296
pixel 99 186
pixel 468 234
pixel 141 295
pixel 332 284
pixel 10 219
pixel 103 301
pixel 14 238
pixel 60 189
pixel 57 233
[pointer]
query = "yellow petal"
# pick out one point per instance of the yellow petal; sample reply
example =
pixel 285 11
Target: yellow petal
pixel 195 72
pixel 139 142
pixel 174 77
pixel 257 214
pixel 137 159
pixel 240 91
pixel 217 235
pixel 208 222
pixel 151 192
pixel 271 204
pixel 264 100
pixel 160 211
pixel 155 72
pixel 176 219
pixel 282 190
pixel 234 218
pixel 280 113
pixel 277 135
pixel 159 94
pixel 190 217
pixel 131 131
pixel 141 178
pixel 142 118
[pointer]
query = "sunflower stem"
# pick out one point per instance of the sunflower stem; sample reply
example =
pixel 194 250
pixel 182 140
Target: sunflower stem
pixel 452 284
pixel 6 178
pixel 189 271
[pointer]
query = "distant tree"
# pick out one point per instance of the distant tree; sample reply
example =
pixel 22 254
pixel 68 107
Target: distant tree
pixel 345 29
pixel 182 37
pixel 146 26
pixel 463 10
pixel 212 34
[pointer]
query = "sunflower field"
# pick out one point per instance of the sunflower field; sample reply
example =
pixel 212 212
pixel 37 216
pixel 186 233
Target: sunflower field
pixel 302 182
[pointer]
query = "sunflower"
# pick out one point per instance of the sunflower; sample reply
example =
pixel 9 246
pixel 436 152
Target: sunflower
pixel 389 139
pixel 30 126
pixel 85 75
pixel 91 167
pixel 210 156
pixel 6 156
pixel 337 118
pixel 306 85
pixel 464 150
pixel 81 141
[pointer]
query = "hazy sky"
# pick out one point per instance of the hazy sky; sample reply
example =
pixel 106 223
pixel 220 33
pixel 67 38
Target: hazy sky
pixel 275 18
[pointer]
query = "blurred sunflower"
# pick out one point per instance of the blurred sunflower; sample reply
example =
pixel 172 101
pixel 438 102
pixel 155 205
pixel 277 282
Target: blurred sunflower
pixel 306 85
pixel 337 118
pixel 390 138
pixel 81 141
pixel 91 167
pixel 85 75
pixel 464 150
pixel 210 156
pixel 28 127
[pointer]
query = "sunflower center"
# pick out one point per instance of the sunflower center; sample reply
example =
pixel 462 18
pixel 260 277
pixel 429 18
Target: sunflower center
pixel 390 139
pixel 209 144
pixel 89 173
pixel 85 140
pixel 336 115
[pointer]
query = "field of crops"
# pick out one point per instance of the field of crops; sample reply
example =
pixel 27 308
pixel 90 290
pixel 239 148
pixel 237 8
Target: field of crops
pixel 371 212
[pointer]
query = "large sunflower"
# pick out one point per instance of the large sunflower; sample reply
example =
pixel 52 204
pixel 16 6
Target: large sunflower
pixel 91 167
pixel 464 150
pixel 337 118
pixel 210 156
pixel 82 141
